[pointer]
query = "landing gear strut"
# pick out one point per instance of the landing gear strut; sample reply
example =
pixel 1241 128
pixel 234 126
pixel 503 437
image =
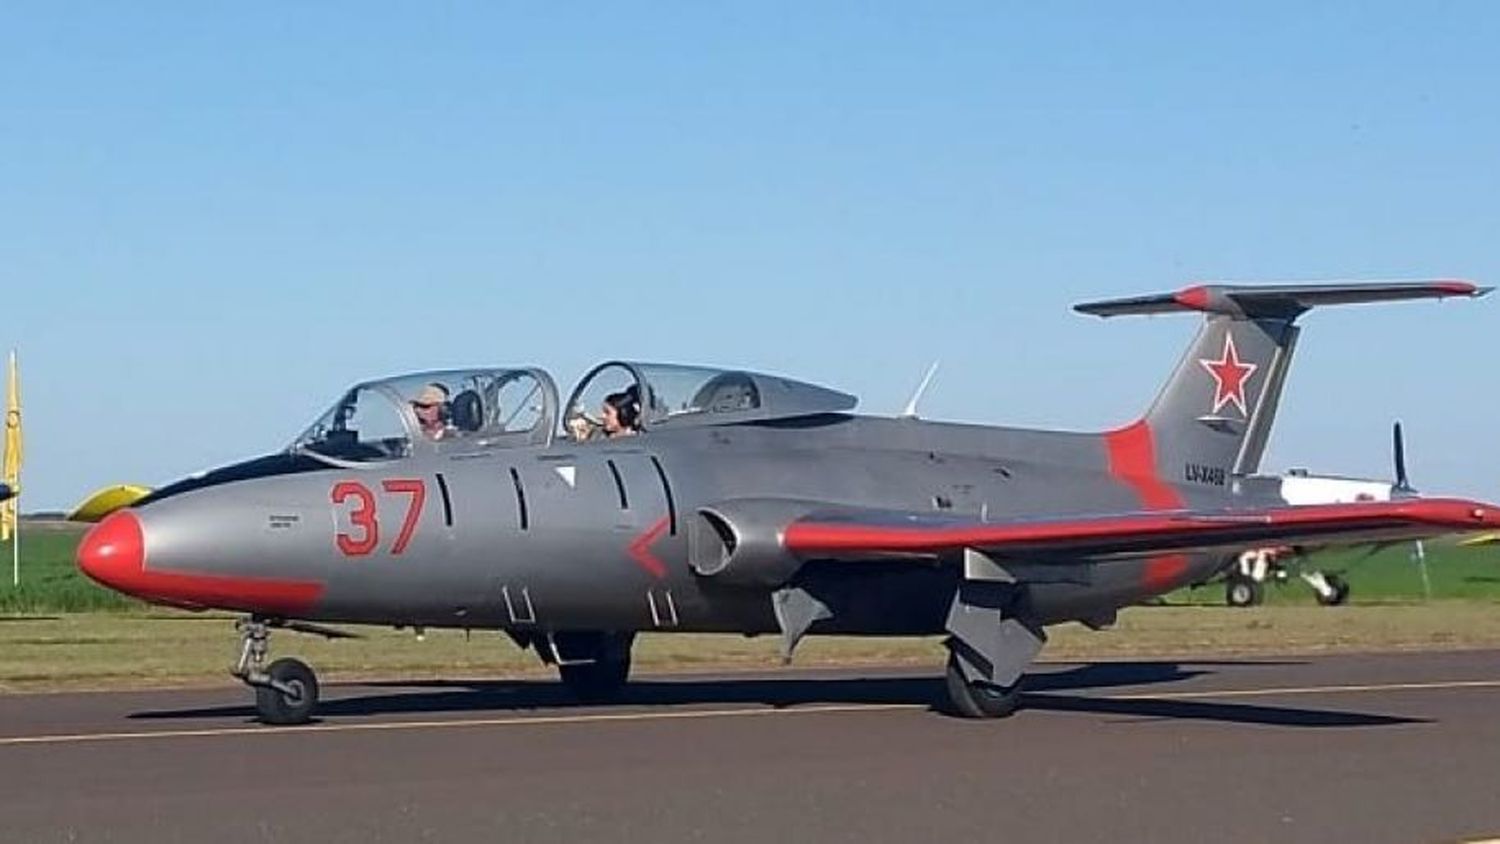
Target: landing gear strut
pixel 286 691
pixel 1331 590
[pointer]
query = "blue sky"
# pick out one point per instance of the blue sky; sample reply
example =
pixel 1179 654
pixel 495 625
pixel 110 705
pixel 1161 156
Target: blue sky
pixel 214 218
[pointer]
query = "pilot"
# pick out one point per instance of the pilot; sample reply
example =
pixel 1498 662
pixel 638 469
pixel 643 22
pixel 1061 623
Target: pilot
pixel 431 407
pixel 622 413
pixel 581 427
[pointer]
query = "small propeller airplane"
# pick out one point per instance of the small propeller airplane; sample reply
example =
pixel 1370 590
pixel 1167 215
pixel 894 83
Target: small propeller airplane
pixel 1244 582
pixel 734 501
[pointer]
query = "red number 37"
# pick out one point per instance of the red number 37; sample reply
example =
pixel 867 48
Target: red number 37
pixel 365 533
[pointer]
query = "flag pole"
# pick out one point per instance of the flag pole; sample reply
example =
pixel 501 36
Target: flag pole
pixel 10 512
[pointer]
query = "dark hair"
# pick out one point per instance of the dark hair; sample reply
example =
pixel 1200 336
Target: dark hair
pixel 627 405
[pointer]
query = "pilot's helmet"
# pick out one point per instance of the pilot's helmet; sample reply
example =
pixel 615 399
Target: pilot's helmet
pixel 430 395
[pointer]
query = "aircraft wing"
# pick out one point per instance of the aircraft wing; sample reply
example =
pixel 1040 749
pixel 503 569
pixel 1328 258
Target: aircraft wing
pixel 853 535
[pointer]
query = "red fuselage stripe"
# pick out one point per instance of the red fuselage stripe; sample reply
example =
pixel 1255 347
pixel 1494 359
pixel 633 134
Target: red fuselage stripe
pixel 1448 514
pixel 1132 459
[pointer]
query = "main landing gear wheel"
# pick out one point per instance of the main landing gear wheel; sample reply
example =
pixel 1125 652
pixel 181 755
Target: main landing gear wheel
pixel 1243 592
pixel 286 691
pixel 979 700
pixel 599 681
pixel 291 695
pixel 1340 593
pixel 594 666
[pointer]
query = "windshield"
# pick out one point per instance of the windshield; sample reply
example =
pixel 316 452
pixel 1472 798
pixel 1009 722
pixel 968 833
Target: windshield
pixel 388 419
pixel 364 425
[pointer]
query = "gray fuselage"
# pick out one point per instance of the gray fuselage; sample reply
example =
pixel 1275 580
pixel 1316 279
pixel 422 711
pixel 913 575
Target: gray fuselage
pixel 596 535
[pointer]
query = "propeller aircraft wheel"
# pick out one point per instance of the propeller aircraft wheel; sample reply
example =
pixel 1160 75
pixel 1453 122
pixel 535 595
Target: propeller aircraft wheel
pixel 294 701
pixel 1243 592
pixel 1340 589
pixel 979 700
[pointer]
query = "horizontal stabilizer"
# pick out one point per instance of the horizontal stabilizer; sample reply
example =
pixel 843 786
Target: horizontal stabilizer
pixel 108 500
pixel 1277 301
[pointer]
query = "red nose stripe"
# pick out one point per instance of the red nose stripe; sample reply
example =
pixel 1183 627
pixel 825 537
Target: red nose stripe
pixel 114 553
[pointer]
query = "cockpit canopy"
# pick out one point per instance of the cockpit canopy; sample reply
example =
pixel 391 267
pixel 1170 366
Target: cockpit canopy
pixel 466 409
pixel 660 395
pixel 393 417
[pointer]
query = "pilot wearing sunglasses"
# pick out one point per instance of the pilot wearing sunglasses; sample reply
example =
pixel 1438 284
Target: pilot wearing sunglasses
pixel 431 407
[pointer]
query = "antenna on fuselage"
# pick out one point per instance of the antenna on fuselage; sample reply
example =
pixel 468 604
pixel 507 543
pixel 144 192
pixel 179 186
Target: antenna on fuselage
pixel 910 411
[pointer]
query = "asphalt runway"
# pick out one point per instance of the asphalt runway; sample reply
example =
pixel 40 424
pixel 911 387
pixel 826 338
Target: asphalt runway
pixel 1368 748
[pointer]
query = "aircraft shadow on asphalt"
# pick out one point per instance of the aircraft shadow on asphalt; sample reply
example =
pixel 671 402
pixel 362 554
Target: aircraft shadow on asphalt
pixel 1046 691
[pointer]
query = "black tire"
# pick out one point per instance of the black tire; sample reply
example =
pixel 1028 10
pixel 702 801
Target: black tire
pixel 598 681
pixel 605 677
pixel 979 700
pixel 1340 589
pixel 277 707
pixel 1243 592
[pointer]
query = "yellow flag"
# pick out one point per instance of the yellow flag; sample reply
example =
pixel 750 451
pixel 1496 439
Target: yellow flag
pixel 8 509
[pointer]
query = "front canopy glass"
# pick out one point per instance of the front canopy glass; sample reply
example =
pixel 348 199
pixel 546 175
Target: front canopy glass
pixel 395 417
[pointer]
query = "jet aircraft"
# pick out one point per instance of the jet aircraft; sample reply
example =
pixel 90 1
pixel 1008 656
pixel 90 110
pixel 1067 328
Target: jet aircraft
pixel 734 501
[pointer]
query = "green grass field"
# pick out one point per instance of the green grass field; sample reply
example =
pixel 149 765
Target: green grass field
pixel 51 583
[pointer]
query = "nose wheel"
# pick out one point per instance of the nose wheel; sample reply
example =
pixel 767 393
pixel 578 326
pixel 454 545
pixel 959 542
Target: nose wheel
pixel 286 691
pixel 290 694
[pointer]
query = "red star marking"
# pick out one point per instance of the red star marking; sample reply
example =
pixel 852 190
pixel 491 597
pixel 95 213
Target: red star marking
pixel 1230 375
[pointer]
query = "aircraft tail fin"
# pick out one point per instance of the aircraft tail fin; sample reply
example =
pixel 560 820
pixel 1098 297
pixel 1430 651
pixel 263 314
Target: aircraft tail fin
pixel 1213 416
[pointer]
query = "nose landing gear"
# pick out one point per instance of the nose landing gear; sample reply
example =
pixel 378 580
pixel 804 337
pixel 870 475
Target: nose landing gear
pixel 286 691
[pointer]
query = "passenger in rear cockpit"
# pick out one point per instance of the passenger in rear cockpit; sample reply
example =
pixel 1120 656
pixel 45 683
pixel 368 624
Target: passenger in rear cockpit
pixel 622 413
pixel 431 408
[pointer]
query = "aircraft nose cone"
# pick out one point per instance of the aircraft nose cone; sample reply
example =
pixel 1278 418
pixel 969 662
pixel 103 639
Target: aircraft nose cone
pixel 113 550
